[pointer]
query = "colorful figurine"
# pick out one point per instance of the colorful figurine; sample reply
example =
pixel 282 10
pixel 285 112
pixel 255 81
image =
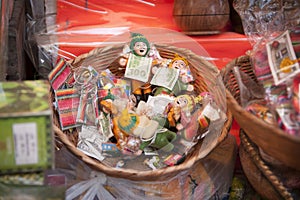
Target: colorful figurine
pixel 180 111
pixel 138 65
pixel 183 82
pixel 121 137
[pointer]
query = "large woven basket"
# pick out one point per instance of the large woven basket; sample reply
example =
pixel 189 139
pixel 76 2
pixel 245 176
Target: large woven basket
pixel 272 140
pixel 100 58
pixel 269 156
pixel 271 182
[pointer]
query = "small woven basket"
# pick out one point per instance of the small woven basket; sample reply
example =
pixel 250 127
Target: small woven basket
pixel 102 57
pixel 263 147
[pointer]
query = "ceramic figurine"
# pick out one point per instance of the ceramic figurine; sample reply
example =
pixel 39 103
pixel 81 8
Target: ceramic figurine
pixel 183 83
pixel 180 111
pixel 121 137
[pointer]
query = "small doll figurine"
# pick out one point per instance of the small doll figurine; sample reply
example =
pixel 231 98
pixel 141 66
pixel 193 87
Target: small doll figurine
pixel 137 61
pixel 180 111
pixel 108 107
pixel 184 79
pixel 182 65
pixel 139 45
pixel 186 114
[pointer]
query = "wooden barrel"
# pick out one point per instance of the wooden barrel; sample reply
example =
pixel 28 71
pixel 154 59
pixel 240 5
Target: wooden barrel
pixel 200 17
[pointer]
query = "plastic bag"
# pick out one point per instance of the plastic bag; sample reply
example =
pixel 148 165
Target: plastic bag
pixel 272 27
pixel 209 178
pixel 100 97
pixel 266 19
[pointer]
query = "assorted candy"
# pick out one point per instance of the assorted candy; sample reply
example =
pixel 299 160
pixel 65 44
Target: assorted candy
pixel 152 112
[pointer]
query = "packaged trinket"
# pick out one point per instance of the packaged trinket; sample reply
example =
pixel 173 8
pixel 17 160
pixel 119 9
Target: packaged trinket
pixel 140 104
pixel 25 122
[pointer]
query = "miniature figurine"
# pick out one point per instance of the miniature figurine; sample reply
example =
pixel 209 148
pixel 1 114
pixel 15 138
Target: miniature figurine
pixel 138 59
pixel 179 112
pixel 183 82
pixel 109 107
pixel 139 125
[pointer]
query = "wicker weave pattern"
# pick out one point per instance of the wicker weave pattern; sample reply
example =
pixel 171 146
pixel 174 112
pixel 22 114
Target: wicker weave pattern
pixel 256 136
pixel 274 180
pixel 100 58
pixel 272 140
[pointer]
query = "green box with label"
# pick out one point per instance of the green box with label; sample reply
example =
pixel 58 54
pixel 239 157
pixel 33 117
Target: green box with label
pixel 26 134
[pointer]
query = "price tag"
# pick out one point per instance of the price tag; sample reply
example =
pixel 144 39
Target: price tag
pixel 25 143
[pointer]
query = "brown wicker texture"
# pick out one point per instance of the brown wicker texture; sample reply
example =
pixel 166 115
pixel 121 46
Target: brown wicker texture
pixel 100 58
pixel 269 156
pixel 267 183
pixel 272 140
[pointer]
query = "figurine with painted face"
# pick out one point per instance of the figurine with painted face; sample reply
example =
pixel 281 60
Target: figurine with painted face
pixel 180 111
pixel 182 85
pixel 137 65
pixel 185 113
pixel 139 45
pixel 182 65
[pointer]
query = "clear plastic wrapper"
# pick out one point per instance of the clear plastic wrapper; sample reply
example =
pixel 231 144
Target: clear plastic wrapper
pixel 140 106
pixel 209 178
pixel 77 26
pixel 264 19
pixel 94 90
pixel 272 27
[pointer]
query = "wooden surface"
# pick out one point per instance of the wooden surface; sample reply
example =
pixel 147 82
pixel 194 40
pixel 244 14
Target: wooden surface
pixel 200 17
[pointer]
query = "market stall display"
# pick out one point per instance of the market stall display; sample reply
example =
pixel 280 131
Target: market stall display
pixel 170 144
pixel 261 93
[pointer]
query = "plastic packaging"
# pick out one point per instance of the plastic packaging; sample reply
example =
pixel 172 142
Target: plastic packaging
pixel 272 28
pixel 209 178
pixel 264 19
pixel 132 123
pixel 78 26
pixel 106 29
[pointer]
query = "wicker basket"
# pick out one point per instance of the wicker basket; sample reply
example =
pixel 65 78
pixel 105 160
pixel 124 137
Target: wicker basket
pixel 266 152
pixel 100 58
pixel 273 141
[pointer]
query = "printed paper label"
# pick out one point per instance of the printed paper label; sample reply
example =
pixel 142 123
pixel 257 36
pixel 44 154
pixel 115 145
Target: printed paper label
pixel 281 57
pixel 25 143
pixel 138 68
pixel 165 77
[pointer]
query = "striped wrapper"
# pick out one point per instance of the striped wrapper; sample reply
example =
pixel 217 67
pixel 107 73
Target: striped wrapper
pixel 59 74
pixel 67 105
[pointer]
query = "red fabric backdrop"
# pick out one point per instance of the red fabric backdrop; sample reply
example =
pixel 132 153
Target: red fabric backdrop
pixel 84 24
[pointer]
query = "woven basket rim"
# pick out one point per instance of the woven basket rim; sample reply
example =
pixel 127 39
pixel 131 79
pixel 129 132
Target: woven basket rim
pixel 133 174
pixel 252 150
pixel 264 135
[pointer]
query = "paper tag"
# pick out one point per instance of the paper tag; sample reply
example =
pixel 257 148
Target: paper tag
pixel 138 68
pixel 165 77
pixel 90 141
pixel 159 103
pixel 210 112
pixel 25 143
pixel 278 50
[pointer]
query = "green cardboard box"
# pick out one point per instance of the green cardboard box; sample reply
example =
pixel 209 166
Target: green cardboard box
pixel 26 136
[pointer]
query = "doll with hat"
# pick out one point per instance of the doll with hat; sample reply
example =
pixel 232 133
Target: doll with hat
pixel 184 113
pixel 183 82
pixel 180 110
pixel 137 62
